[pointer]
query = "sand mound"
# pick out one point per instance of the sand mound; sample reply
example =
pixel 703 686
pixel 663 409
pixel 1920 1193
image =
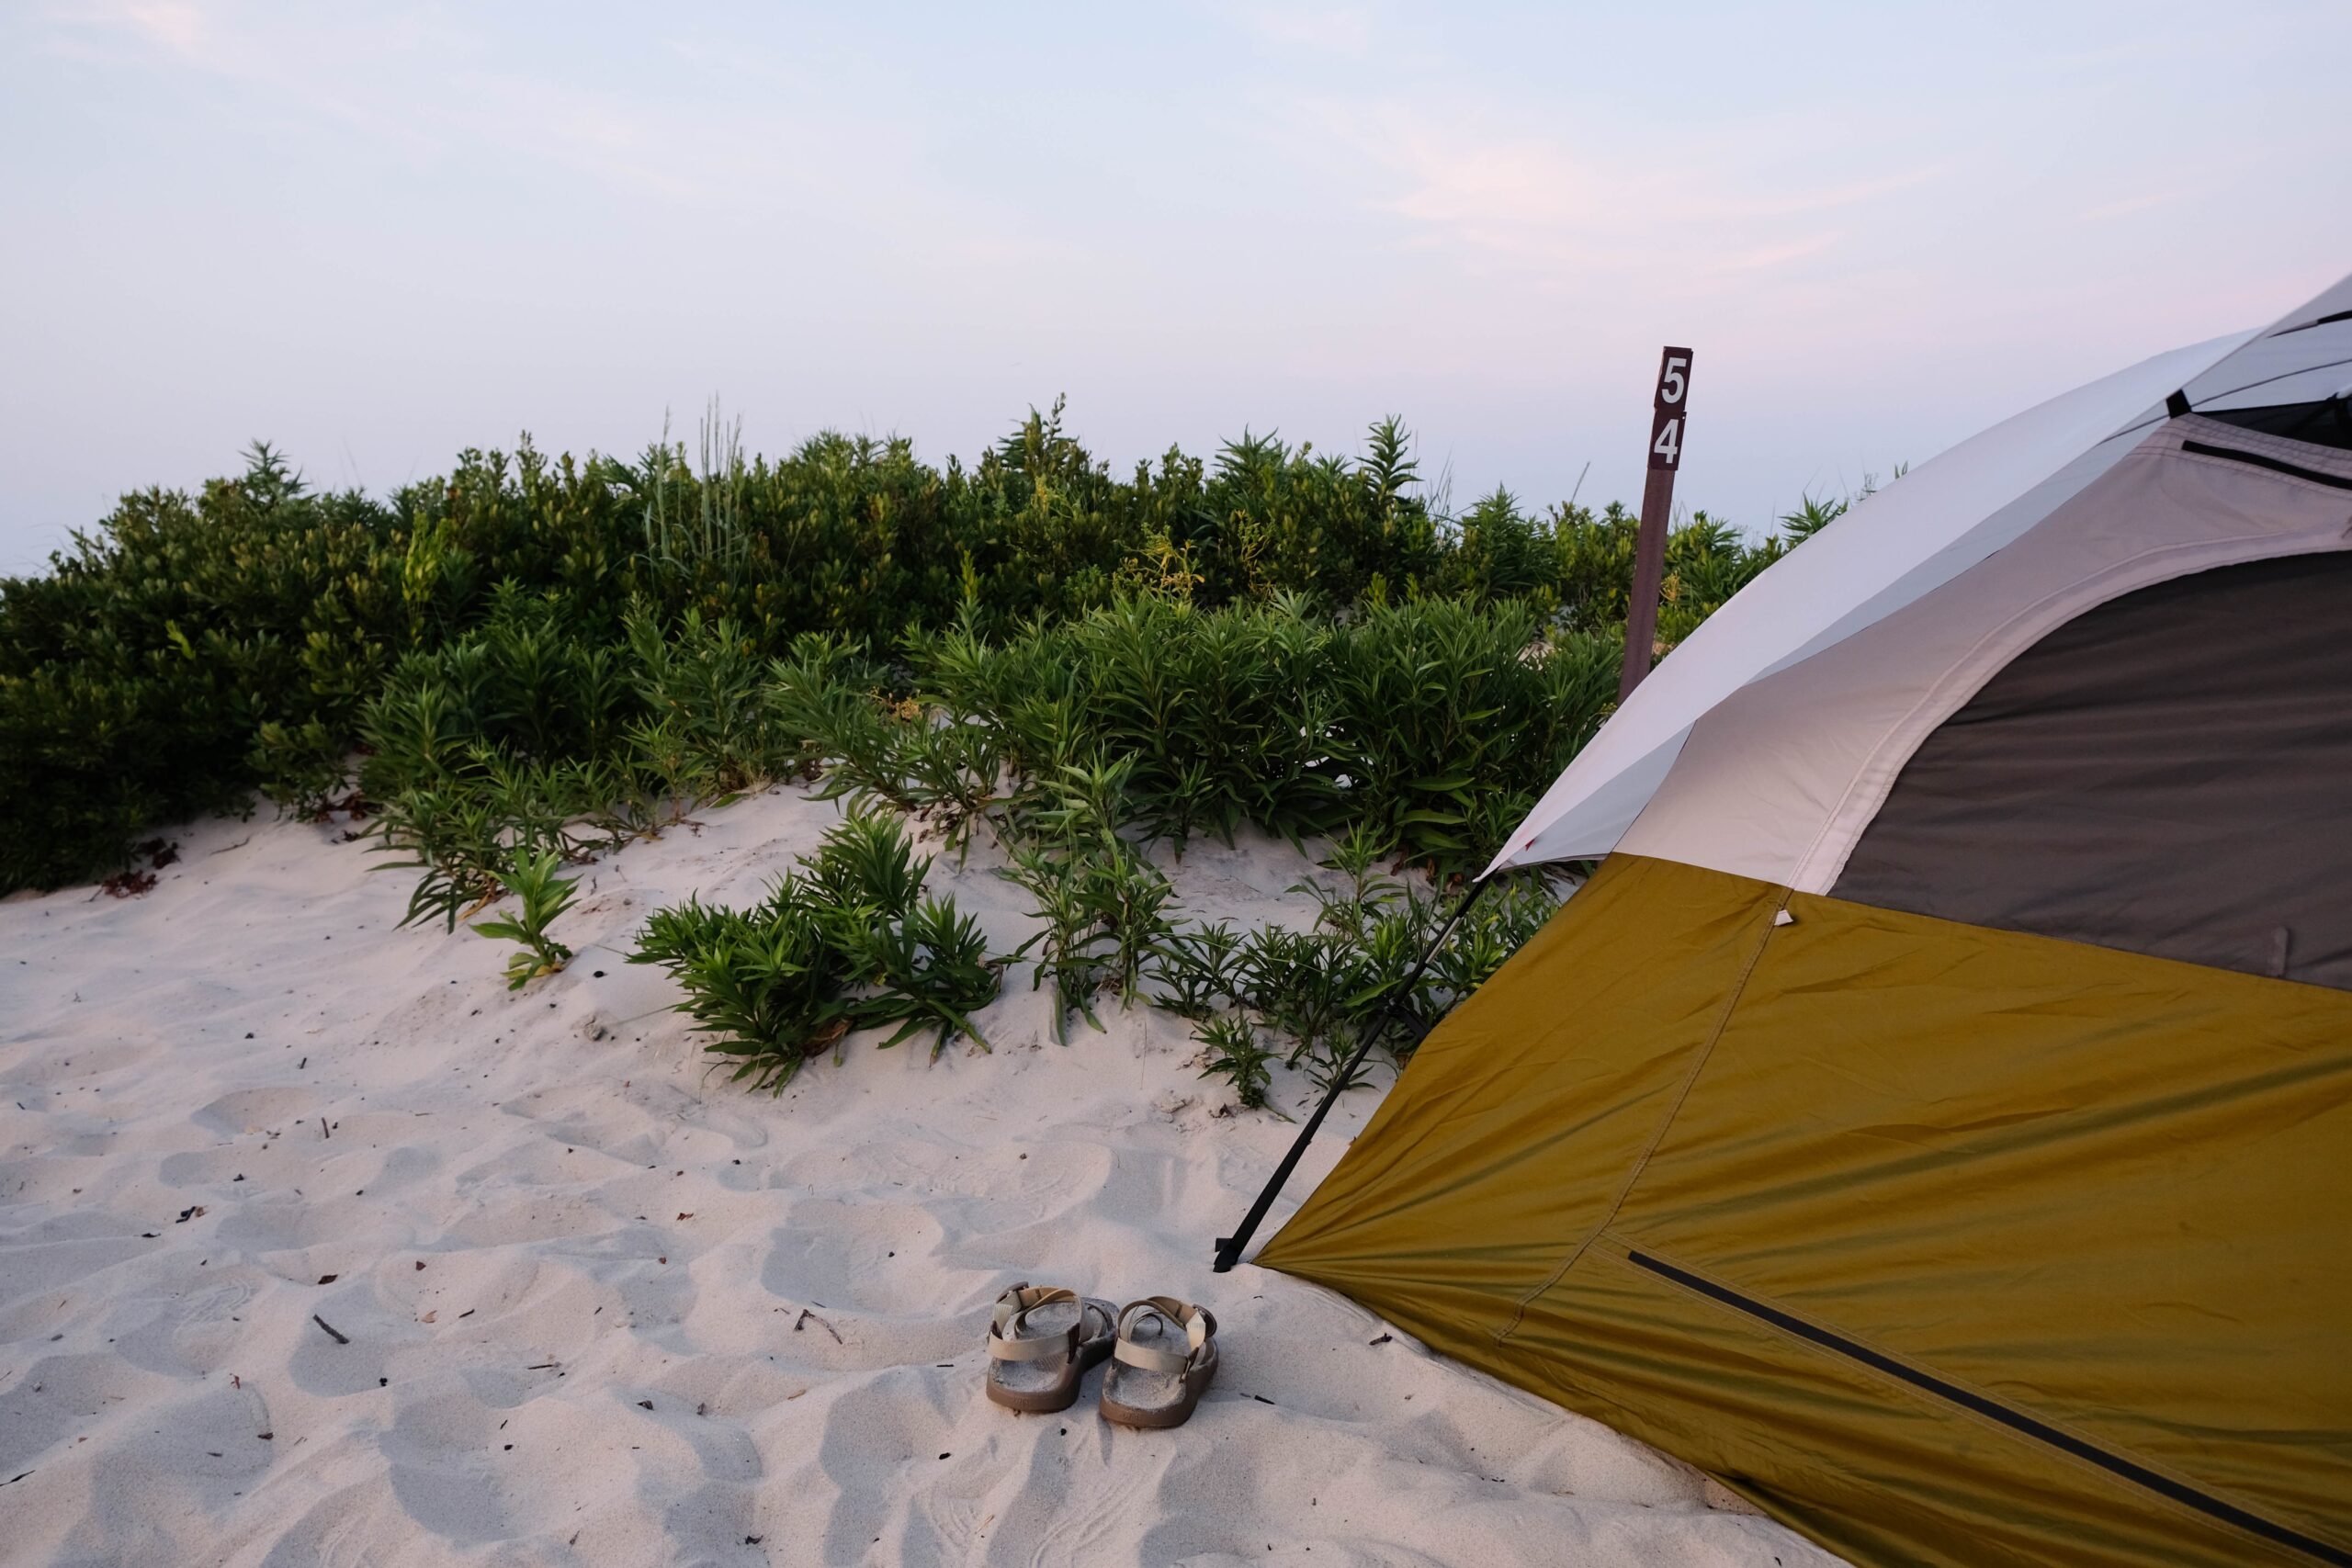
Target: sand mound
pixel 603 1308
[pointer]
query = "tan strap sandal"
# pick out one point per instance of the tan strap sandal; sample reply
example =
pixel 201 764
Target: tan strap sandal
pixel 1041 1342
pixel 1163 1362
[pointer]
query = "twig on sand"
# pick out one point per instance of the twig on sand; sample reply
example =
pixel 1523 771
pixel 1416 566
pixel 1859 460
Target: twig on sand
pixel 806 1315
pixel 332 1332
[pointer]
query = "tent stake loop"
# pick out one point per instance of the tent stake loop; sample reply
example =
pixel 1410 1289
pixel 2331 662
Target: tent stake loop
pixel 1228 1248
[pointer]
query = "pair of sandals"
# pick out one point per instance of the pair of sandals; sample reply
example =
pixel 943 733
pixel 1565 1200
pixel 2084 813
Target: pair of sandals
pixel 1162 1354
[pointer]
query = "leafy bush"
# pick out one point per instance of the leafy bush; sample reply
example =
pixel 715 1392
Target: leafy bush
pixel 1325 988
pixel 1450 718
pixel 846 940
pixel 1213 619
pixel 1223 713
pixel 136 677
pixel 762 983
pixel 1438 721
pixel 496 748
pixel 703 689
pixel 303 768
pixel 1103 903
pixel 529 735
pixel 1196 970
pixel 927 969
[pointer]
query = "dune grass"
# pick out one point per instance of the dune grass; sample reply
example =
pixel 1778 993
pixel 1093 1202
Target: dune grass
pixel 532 662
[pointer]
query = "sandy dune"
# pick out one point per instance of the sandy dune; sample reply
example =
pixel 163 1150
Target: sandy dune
pixel 604 1308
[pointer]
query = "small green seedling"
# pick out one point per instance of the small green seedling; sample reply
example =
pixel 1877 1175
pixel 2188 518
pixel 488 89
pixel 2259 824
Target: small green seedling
pixel 1232 1053
pixel 544 895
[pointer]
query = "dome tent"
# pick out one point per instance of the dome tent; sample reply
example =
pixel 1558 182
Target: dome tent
pixel 1934 1118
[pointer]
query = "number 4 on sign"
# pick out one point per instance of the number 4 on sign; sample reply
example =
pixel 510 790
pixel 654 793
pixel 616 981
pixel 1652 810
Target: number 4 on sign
pixel 1668 445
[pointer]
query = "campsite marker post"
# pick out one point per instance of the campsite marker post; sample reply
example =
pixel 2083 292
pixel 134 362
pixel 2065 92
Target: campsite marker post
pixel 1669 422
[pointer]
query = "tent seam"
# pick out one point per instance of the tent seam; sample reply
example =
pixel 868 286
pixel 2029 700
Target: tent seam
pixel 1666 1122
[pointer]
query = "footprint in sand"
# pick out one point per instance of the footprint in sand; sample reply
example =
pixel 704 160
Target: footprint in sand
pixel 255 1110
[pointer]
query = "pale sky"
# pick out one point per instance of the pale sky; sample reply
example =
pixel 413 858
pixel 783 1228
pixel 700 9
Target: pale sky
pixel 375 234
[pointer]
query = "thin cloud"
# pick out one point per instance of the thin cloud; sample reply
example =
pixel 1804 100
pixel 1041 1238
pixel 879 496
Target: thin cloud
pixel 1764 257
pixel 174 25
pixel 435 88
pixel 2123 207
pixel 1339 30
pixel 1551 201
pixel 1858 193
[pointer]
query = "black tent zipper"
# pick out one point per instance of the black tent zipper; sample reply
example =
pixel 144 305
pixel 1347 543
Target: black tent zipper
pixel 2261 460
pixel 2017 1421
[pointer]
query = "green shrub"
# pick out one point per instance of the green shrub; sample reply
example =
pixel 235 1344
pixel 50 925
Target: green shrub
pixel 929 969
pixel 762 983
pixel 1436 721
pixel 1325 988
pixel 831 702
pixel 529 735
pixel 694 627
pixel 1194 968
pixel 136 677
pixel 1105 906
pixel 1448 719
pixel 1299 984
pixel 703 685
pixel 500 747
pixel 1223 713
pixel 844 942
pixel 866 862
pixel 303 769
pixel 1500 552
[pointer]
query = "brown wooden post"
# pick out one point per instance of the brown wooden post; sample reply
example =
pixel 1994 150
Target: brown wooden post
pixel 1670 420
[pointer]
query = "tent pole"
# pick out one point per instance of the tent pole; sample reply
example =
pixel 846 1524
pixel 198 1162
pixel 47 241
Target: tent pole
pixel 1228 1248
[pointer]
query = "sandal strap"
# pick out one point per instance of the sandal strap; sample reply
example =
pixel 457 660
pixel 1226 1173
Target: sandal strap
pixel 1033 1347
pixel 1145 1359
pixel 1020 1297
pixel 1007 1343
pixel 1198 1323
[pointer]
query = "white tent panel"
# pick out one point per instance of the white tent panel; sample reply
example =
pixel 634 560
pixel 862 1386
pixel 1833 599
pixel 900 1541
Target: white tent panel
pixel 1941 518
pixel 2304 356
pixel 1779 782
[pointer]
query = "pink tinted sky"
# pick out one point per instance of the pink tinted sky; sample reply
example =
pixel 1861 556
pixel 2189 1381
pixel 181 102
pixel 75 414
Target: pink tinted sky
pixel 376 235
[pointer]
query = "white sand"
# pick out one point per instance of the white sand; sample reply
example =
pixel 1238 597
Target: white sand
pixel 605 1308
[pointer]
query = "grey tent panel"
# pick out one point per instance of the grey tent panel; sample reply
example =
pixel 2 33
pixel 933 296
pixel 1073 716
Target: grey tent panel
pixel 2170 774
